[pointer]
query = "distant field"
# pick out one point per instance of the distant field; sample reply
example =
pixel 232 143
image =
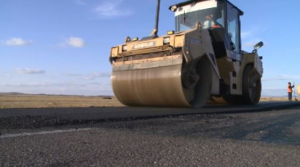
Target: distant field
pixel 61 101
pixel 55 101
pixel 276 99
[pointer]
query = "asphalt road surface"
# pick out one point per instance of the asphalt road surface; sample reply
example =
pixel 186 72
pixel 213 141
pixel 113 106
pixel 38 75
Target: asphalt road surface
pixel 266 135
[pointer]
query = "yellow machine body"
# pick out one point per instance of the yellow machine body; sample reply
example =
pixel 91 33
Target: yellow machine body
pixel 182 69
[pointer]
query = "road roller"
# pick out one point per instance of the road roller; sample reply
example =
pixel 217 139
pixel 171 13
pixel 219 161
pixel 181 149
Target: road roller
pixel 197 62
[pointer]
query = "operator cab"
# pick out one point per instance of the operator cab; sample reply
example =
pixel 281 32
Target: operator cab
pixel 220 17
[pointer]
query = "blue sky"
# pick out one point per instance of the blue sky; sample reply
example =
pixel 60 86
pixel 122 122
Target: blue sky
pixel 62 47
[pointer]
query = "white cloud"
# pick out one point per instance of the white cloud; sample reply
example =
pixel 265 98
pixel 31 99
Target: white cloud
pixel 96 75
pixel 81 2
pixel 30 71
pixel 111 9
pixel 252 36
pixel 72 74
pixel 246 34
pixel 17 42
pixel 75 42
pixel 42 84
pixel 273 89
pixel 283 78
pixel 67 88
pixel 252 42
pixel 8 75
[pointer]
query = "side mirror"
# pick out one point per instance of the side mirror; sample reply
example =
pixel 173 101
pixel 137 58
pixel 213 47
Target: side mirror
pixel 257 46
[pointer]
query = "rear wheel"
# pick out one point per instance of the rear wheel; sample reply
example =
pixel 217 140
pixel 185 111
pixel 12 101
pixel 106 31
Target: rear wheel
pixel 251 86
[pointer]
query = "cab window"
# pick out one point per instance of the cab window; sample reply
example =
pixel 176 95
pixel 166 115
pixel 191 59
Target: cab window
pixel 233 27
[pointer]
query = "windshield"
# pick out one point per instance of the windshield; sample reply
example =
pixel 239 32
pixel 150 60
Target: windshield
pixel 209 18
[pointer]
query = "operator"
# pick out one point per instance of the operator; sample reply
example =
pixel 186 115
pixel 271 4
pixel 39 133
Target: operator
pixel 211 22
pixel 290 90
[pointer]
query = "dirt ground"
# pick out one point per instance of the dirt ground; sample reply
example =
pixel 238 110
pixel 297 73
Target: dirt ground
pixel 56 101
pixel 61 101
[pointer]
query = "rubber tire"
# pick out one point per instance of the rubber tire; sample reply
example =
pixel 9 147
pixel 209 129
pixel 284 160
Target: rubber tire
pixel 254 96
pixel 246 97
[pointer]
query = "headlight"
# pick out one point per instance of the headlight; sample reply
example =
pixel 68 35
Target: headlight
pixel 167 41
pixel 171 32
pixel 135 39
pixel 124 48
pixel 173 8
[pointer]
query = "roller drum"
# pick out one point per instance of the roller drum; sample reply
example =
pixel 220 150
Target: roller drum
pixel 160 84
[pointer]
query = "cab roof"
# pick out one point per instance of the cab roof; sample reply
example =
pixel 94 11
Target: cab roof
pixel 195 1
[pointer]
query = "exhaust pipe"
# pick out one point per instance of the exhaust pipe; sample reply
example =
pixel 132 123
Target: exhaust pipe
pixel 155 30
pixel 157 17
